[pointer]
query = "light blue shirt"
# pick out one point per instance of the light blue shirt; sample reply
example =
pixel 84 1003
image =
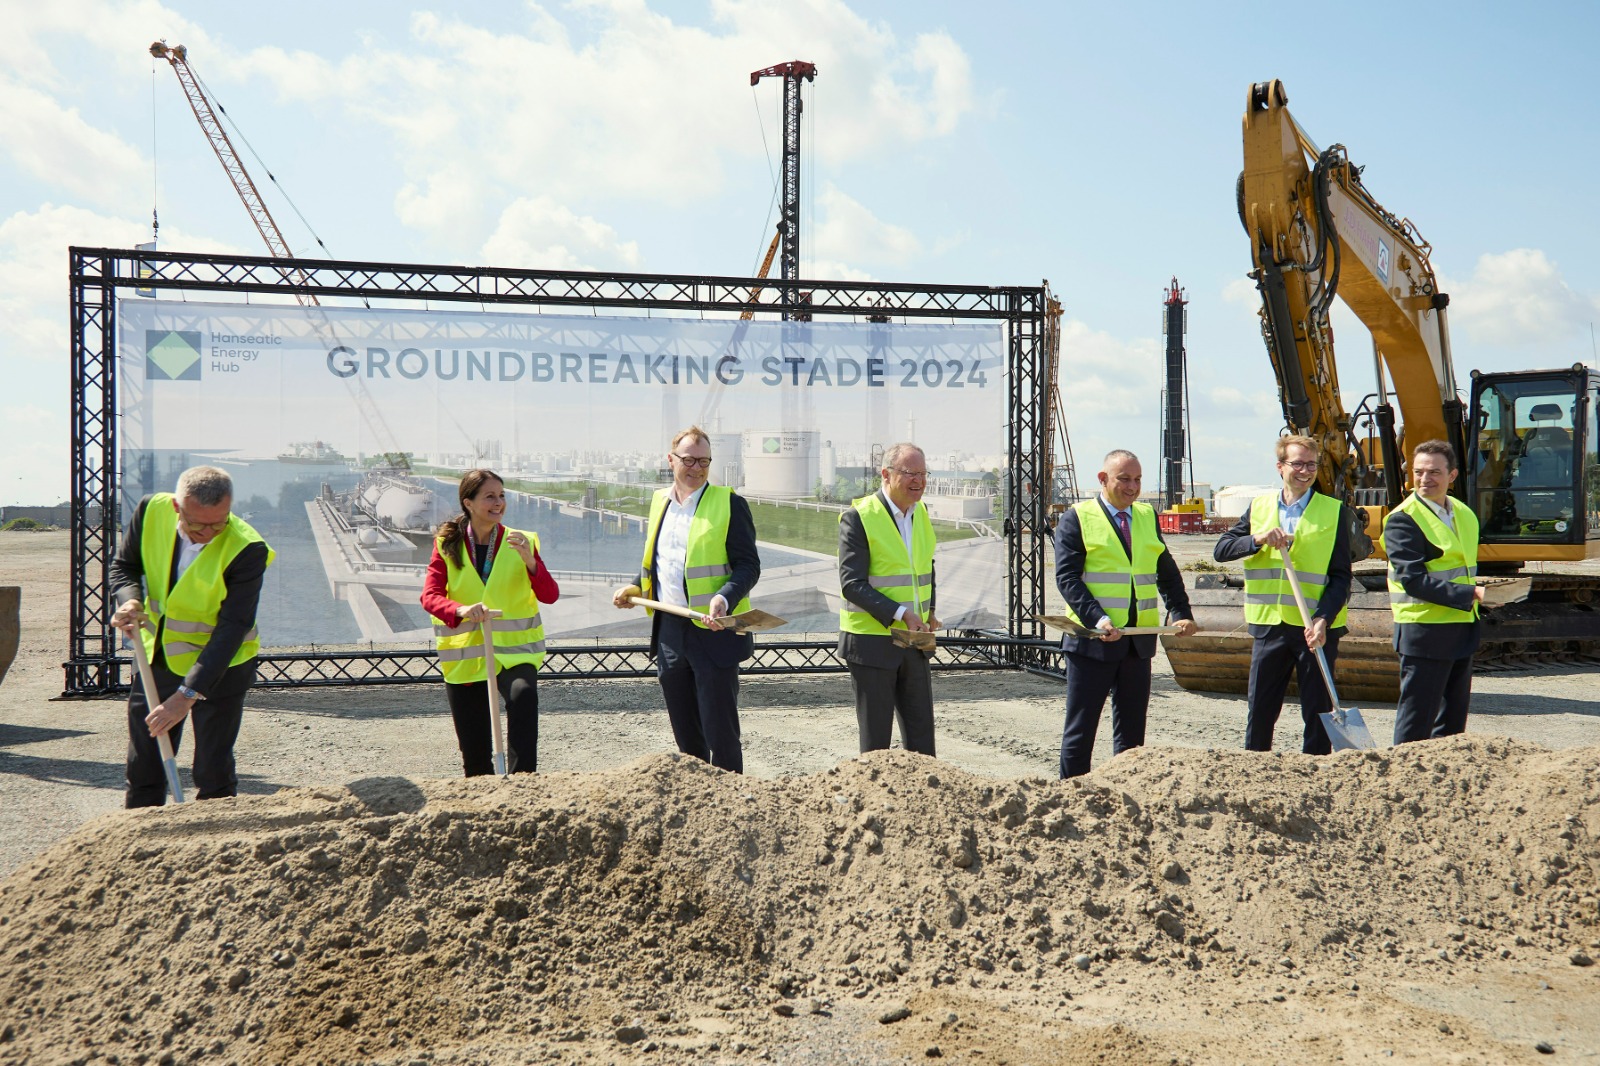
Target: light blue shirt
pixel 1289 514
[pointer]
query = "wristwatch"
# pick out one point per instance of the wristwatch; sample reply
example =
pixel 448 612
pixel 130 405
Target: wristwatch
pixel 188 693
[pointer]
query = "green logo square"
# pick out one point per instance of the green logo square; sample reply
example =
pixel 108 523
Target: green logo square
pixel 771 445
pixel 172 354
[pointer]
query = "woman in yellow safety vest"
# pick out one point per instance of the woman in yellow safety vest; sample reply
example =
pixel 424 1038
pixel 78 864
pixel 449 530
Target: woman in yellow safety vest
pixel 480 565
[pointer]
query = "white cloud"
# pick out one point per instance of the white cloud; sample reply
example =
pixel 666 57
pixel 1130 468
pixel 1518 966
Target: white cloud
pixel 1243 293
pixel 33 271
pixel 848 233
pixel 540 234
pixel 1519 299
pixel 1104 377
pixel 54 144
pixel 641 107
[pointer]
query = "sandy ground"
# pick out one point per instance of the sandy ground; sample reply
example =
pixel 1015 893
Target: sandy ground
pixel 60 764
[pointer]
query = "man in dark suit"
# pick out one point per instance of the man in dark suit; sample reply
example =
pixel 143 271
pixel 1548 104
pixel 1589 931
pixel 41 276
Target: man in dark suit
pixel 1110 563
pixel 700 554
pixel 1432 544
pixel 886 545
pixel 190 570
pixel 1314 531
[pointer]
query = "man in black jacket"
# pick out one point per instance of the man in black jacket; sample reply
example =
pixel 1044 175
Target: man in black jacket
pixel 1110 562
pixel 886 581
pixel 192 570
pixel 700 553
pixel 1432 543
pixel 1314 531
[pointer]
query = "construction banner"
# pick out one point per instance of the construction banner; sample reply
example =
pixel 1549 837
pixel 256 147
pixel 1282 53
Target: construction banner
pixel 346 429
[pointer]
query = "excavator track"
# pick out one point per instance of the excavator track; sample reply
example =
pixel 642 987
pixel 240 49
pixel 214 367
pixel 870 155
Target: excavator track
pixel 1558 625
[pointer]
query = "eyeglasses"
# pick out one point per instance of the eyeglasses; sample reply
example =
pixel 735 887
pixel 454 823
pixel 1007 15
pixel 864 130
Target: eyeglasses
pixel 1298 466
pixel 688 461
pixel 911 475
pixel 204 527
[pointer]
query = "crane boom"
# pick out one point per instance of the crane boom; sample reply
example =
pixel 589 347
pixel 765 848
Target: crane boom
pixel 217 137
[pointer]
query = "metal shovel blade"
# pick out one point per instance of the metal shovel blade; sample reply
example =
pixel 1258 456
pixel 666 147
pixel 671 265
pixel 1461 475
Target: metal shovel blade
pixel 1347 730
pixel 1508 590
pixel 920 641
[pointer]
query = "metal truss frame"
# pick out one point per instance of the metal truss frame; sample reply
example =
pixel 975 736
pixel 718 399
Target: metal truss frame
pixel 95 669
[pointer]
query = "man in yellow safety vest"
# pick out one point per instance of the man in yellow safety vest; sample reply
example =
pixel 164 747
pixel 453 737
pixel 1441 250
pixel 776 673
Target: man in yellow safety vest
pixel 1110 564
pixel 1432 544
pixel 193 569
pixel 1313 531
pixel 886 582
pixel 699 553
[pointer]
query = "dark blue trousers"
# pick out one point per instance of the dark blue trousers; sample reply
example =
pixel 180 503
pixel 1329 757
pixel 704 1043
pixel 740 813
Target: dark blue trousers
pixel 216 728
pixel 519 699
pixel 1089 681
pixel 1273 659
pixel 1434 694
pixel 702 696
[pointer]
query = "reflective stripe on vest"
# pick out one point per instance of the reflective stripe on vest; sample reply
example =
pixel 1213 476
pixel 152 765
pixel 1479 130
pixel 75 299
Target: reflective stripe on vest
pixel 186 614
pixel 1458 564
pixel 902 578
pixel 1268 597
pixel 518 633
pixel 705 565
pixel 1111 577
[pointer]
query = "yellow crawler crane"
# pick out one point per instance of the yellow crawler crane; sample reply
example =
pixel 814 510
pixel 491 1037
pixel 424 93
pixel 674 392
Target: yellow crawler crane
pixel 1527 440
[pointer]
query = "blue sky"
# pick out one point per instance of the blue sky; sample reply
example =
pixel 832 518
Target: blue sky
pixel 1094 145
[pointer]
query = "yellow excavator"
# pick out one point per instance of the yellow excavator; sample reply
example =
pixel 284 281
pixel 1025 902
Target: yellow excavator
pixel 1527 440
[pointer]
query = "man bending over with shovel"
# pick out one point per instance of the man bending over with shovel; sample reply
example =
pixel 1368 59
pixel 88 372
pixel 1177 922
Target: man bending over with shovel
pixel 190 570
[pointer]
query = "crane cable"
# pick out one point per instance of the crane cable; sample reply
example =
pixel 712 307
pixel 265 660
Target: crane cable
pixel 772 203
pixel 264 168
pixel 155 161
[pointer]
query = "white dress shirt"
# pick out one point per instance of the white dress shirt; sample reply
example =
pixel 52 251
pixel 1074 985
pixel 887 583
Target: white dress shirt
pixel 903 522
pixel 187 554
pixel 672 548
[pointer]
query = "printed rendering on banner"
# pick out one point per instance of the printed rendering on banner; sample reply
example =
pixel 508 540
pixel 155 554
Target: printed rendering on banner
pixel 346 430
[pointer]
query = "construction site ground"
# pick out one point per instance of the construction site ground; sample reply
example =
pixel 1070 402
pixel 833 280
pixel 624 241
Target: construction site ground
pixel 1187 903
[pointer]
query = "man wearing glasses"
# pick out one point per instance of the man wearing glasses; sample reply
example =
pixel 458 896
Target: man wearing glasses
pixel 1432 544
pixel 191 571
pixel 886 547
pixel 699 553
pixel 1315 531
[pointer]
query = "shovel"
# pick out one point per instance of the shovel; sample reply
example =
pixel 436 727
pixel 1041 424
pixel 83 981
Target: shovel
pixel 495 727
pixel 169 760
pixel 751 621
pixel 1509 590
pixel 1345 727
pixel 1076 629
pixel 922 641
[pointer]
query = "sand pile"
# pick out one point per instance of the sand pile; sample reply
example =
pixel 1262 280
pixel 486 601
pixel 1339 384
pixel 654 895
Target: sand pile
pixel 668 912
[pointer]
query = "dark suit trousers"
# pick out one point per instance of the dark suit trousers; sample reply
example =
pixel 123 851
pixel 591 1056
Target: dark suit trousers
pixel 1089 681
pixel 216 727
pixel 904 691
pixel 1434 694
pixel 702 697
pixel 519 698
pixel 1273 658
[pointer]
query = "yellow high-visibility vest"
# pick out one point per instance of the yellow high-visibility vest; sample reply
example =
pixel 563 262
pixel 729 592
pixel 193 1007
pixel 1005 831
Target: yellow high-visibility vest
pixel 518 632
pixel 1108 572
pixel 705 562
pixel 1458 564
pixel 902 578
pixel 1268 599
pixel 191 606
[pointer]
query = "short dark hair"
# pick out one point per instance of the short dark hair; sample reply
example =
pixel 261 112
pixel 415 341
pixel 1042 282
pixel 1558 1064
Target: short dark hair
pixel 1437 447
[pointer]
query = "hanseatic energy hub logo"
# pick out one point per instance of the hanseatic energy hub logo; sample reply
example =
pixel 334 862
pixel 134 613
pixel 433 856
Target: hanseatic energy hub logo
pixel 172 354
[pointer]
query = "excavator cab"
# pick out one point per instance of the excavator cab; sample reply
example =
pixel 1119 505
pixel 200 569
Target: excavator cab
pixel 1533 474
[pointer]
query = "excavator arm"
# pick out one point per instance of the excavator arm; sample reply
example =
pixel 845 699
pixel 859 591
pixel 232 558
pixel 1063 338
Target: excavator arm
pixel 1316 233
